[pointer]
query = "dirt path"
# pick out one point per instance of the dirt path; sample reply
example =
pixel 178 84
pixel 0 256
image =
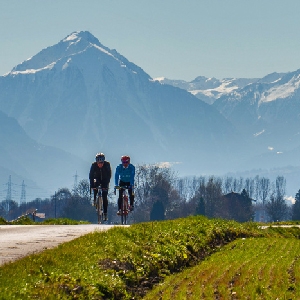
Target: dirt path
pixel 17 241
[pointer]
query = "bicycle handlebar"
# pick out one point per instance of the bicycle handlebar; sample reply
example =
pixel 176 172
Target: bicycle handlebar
pixel 123 187
pixel 99 187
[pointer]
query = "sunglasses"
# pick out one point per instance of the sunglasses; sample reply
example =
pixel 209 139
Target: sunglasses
pixel 100 162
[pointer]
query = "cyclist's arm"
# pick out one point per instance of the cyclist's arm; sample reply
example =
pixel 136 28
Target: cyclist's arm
pixel 91 176
pixel 117 174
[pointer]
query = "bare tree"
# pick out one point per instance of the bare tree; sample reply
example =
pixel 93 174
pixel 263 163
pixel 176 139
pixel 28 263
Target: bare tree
pixel 83 188
pixel 213 192
pixel 154 184
pixel 276 207
pixel 249 187
pixel 228 185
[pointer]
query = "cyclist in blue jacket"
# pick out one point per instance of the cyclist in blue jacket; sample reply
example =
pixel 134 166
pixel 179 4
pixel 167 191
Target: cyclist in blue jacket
pixel 124 177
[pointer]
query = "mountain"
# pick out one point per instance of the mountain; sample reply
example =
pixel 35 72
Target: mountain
pixel 82 97
pixel 41 167
pixel 265 111
pixel 209 89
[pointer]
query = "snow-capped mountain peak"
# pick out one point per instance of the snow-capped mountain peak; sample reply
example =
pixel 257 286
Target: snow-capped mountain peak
pixel 74 43
pixel 61 55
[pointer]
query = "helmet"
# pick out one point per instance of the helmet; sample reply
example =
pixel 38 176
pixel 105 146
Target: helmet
pixel 125 159
pixel 100 157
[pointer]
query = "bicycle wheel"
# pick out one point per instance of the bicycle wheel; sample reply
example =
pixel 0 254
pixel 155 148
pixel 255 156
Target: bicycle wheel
pixel 124 214
pixel 100 209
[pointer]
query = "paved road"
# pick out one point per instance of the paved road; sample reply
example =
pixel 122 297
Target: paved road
pixel 17 241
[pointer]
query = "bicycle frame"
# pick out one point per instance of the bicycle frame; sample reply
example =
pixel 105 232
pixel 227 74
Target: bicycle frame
pixel 124 205
pixel 99 205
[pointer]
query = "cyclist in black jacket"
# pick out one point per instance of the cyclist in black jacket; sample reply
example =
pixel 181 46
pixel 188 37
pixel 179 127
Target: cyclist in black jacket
pixel 100 173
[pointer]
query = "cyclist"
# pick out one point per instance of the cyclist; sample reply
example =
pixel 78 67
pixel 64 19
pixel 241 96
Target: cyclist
pixel 124 177
pixel 100 173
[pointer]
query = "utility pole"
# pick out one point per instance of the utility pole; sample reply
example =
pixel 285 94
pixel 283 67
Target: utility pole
pixel 55 205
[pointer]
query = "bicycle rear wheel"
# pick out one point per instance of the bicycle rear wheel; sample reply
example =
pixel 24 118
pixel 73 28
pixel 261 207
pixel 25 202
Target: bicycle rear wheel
pixel 124 218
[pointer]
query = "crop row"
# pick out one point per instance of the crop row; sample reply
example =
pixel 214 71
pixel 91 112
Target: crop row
pixel 264 268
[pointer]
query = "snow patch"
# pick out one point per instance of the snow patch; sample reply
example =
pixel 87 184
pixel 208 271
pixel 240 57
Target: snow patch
pixel 159 79
pixel 33 71
pixel 282 91
pixel 71 37
pixel 66 64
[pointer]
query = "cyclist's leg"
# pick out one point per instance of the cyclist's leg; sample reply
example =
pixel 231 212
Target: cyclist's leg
pixel 95 195
pixel 105 201
pixel 131 197
pixel 104 197
pixel 120 201
pixel 120 198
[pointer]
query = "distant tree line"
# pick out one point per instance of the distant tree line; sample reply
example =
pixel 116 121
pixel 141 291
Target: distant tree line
pixel 161 195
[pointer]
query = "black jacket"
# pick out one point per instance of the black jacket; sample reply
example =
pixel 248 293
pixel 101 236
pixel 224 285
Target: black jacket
pixel 102 175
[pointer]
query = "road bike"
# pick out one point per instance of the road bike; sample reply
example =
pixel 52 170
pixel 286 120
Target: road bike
pixel 125 209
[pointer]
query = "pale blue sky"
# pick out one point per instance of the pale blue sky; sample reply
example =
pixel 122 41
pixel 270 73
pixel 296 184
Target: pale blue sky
pixel 171 38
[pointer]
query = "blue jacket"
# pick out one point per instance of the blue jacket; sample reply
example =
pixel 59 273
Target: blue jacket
pixel 125 174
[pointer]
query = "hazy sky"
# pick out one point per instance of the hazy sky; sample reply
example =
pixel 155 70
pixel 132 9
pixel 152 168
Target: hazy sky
pixel 172 38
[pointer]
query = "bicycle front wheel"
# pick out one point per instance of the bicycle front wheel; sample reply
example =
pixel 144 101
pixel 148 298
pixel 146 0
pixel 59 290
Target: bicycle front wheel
pixel 100 209
pixel 124 214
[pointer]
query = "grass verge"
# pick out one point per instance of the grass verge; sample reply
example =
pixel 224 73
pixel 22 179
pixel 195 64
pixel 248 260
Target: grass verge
pixel 122 263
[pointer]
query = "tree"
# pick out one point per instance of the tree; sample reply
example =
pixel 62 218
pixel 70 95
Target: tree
pixel 83 188
pixel 213 193
pixel 200 208
pixel 158 211
pixel 247 208
pixel 78 208
pixel 60 201
pixel 235 206
pixel 276 207
pixel 296 208
pixel 155 183
pixel 249 187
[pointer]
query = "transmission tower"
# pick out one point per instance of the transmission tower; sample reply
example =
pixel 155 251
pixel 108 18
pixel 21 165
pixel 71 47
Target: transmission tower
pixel 8 195
pixel 23 194
pixel 75 183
